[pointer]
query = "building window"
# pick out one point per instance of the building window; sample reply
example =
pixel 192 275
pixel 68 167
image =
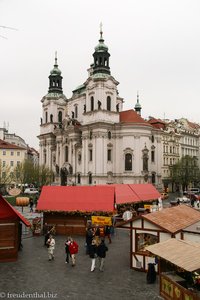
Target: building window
pixel 109 135
pixel 90 178
pixel 18 163
pixel 152 138
pixel 12 163
pixel 4 152
pixel 92 103
pixel 46 116
pixel 109 103
pixel 66 153
pixel 60 117
pixel 90 154
pixel 51 118
pixel 12 153
pixel 4 163
pixel 90 134
pixel 128 162
pixel 45 156
pixel 152 156
pixel 79 179
pixel 18 153
pixel 153 178
pixel 109 155
pixel 4 174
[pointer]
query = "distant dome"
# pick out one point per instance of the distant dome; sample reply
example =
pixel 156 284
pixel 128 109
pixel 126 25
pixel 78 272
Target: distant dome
pixel 55 71
pixel 101 46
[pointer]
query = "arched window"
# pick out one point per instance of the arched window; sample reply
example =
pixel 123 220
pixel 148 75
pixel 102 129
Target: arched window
pixel 153 178
pixel 92 103
pixel 79 179
pixel 152 156
pixel 128 162
pixel 109 103
pixel 66 153
pixel 46 116
pixel 90 178
pixel 45 156
pixel 51 118
pixel 109 135
pixel 60 116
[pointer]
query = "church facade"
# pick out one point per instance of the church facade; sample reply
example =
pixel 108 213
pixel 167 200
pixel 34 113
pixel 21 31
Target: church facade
pixel 89 139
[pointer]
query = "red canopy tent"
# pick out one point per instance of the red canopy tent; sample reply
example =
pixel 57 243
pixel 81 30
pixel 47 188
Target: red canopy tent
pixel 135 193
pixel 76 198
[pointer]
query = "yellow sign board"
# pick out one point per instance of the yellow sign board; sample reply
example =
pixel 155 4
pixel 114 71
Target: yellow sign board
pixel 99 220
pixel 147 206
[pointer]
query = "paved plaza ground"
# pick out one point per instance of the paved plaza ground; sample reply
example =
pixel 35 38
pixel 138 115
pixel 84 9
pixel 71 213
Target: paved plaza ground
pixel 34 277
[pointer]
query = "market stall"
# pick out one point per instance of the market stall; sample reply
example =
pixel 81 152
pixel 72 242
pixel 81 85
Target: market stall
pixel 179 268
pixel 68 208
pixel 10 231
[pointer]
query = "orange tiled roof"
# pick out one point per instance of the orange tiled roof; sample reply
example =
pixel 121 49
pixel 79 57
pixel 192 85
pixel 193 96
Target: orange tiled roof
pixel 6 145
pixel 131 116
pixel 193 125
pixel 157 123
pixel 174 219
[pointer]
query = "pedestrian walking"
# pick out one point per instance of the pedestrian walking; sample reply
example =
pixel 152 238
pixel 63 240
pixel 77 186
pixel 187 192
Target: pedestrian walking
pixel 88 238
pixel 73 249
pixel 93 254
pixel 107 233
pixel 68 255
pixel 31 203
pixel 101 253
pixel 51 247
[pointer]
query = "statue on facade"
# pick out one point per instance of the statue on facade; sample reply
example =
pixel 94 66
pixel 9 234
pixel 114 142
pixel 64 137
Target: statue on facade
pixel 99 104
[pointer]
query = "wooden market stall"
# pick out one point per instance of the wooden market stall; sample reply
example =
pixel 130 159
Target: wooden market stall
pixel 179 269
pixel 155 227
pixel 10 231
pixel 69 207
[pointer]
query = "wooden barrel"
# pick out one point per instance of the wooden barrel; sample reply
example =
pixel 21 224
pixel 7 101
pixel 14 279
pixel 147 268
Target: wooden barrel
pixel 22 201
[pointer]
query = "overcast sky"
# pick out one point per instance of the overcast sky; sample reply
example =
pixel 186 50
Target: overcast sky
pixel 154 47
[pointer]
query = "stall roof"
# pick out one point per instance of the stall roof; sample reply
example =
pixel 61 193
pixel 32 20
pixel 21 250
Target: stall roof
pixel 133 193
pixel 8 211
pixel 76 198
pixel 174 219
pixel 124 194
pixel 145 192
pixel 184 254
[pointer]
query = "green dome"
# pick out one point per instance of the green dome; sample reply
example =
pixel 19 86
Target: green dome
pixel 101 46
pixel 55 71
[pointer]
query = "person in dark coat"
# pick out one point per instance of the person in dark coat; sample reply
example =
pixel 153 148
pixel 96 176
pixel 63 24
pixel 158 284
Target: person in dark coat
pixel 68 255
pixel 101 253
pixel 151 273
pixel 93 254
pixel 31 203
pixel 108 233
pixel 88 238
pixel 46 237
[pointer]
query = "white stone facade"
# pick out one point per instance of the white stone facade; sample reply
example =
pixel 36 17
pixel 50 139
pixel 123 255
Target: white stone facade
pixel 89 139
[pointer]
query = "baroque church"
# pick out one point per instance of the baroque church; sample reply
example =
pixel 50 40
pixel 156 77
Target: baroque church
pixel 89 139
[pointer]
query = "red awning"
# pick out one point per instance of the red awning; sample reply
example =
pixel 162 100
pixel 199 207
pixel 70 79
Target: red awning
pixel 7 211
pixel 145 192
pixel 76 198
pixel 124 194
